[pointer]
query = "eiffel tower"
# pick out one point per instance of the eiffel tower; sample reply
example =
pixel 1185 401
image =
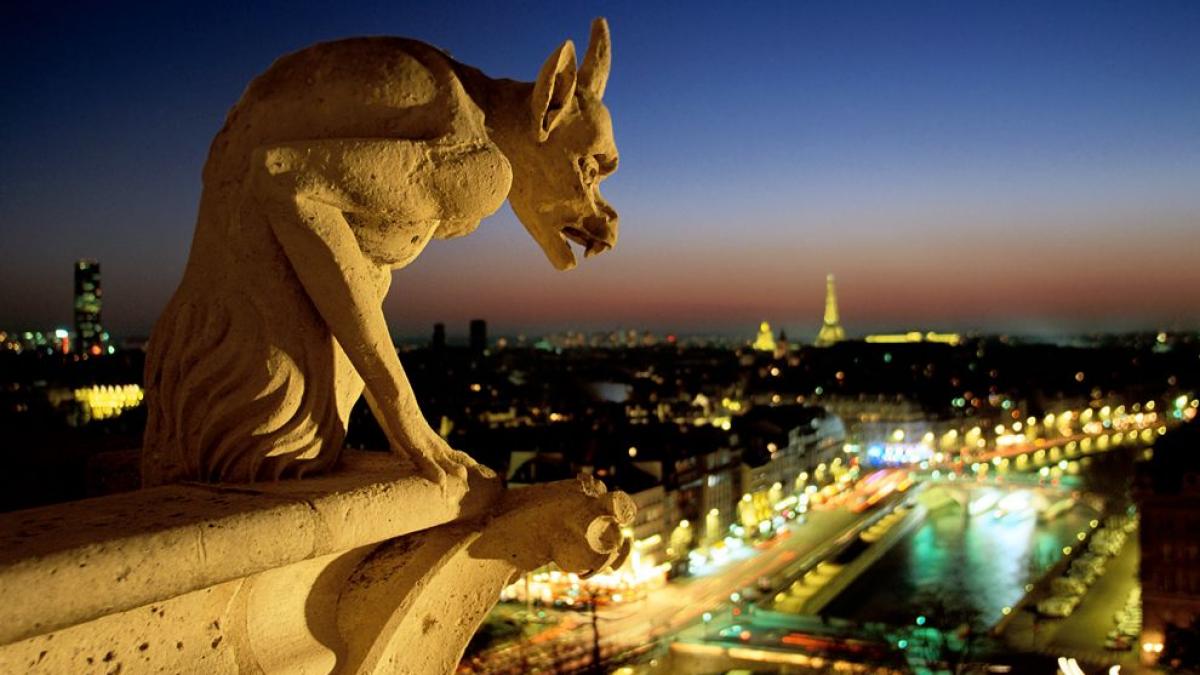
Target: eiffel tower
pixel 831 331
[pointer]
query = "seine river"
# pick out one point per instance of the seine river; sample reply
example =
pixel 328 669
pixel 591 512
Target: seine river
pixel 956 569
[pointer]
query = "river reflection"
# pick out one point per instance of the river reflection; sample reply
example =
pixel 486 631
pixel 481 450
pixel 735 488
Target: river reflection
pixel 956 568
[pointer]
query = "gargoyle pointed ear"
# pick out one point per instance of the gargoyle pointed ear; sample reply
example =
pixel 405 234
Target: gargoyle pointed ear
pixel 593 74
pixel 554 90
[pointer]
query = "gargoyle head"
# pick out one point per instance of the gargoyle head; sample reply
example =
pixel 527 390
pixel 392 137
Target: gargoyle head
pixel 568 150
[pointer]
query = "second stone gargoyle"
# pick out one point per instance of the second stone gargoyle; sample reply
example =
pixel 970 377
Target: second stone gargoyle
pixel 337 166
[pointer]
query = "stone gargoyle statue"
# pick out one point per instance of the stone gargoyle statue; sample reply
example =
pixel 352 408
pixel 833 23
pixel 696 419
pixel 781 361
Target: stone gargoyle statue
pixel 337 166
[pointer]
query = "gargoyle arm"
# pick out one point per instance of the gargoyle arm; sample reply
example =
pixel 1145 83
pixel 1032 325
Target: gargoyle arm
pixel 310 185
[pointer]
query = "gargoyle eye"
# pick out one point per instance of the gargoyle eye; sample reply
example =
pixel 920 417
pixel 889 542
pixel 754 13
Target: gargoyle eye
pixel 605 164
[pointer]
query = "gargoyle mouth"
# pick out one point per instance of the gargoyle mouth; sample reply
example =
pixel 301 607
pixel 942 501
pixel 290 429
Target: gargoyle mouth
pixel 592 245
pixel 594 234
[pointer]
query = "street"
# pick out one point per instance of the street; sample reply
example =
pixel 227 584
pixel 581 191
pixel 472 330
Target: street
pixel 669 609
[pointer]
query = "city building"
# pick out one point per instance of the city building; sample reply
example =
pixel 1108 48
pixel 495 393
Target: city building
pixel 439 336
pixel 782 448
pixel 787 440
pixel 782 348
pixel 831 328
pixel 478 340
pixel 765 340
pixel 648 530
pixel 44 342
pixel 1167 491
pixel 90 337
pixel 879 418
pixel 914 336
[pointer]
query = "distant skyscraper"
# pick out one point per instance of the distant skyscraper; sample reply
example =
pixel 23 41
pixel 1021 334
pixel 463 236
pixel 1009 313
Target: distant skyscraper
pixel 90 337
pixel 439 336
pixel 478 336
pixel 831 330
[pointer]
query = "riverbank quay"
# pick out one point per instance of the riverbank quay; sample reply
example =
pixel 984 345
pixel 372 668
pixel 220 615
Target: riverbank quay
pixel 1081 635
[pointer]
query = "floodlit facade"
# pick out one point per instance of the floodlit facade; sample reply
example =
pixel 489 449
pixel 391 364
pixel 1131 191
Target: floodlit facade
pixel 764 341
pixel 914 336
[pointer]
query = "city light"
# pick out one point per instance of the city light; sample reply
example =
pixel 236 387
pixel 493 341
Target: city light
pixel 106 401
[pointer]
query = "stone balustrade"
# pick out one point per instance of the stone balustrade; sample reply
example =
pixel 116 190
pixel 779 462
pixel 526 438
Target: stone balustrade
pixel 367 570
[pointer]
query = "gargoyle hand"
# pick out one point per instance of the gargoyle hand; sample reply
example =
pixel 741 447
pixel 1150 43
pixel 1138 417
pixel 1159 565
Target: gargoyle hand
pixel 437 461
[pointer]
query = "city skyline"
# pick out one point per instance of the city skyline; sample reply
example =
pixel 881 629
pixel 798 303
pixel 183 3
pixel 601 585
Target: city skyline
pixel 1017 169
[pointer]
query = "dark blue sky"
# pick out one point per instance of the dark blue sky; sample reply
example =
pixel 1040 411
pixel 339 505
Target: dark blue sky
pixel 1005 166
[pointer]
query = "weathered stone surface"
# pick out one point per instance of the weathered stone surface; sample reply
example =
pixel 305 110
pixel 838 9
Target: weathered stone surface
pixel 407 605
pixel 414 603
pixel 185 634
pixel 338 165
pixel 104 555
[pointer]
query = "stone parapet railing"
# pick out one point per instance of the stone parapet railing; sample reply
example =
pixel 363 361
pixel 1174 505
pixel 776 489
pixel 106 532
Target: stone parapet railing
pixel 367 570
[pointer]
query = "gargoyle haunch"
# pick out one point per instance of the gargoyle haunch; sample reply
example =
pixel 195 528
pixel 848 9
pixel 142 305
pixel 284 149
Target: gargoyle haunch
pixel 337 166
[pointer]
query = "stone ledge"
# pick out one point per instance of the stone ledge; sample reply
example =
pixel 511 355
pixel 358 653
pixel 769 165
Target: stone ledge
pixel 66 564
pixel 408 603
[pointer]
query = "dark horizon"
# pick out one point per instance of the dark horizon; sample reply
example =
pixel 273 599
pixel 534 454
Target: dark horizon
pixel 737 323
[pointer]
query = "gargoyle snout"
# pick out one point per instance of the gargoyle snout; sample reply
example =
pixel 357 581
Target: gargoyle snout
pixel 601 229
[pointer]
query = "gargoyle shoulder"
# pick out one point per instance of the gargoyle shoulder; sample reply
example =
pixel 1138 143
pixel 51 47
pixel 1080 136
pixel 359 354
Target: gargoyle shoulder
pixel 377 87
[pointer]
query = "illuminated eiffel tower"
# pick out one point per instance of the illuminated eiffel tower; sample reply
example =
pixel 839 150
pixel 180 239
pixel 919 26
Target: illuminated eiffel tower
pixel 831 331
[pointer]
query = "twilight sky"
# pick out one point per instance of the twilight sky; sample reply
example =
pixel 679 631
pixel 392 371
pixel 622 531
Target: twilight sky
pixel 1014 167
